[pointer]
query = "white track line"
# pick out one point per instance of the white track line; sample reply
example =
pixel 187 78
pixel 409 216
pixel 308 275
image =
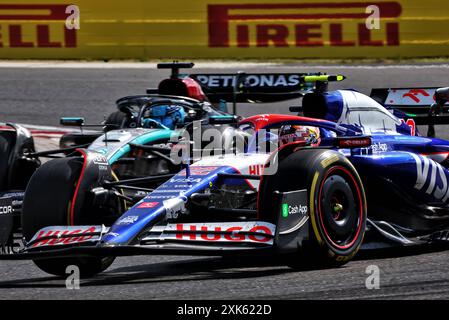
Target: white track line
pixel 37 128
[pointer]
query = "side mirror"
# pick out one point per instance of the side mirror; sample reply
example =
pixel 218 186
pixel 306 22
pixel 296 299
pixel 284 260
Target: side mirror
pixel 442 95
pixel 295 109
pixel 72 121
pixel 222 119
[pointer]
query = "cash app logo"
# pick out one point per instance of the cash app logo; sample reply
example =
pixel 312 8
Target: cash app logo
pixel 285 210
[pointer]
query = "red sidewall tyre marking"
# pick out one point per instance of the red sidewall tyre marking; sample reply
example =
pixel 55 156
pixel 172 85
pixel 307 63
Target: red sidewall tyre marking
pixel 75 194
pixel 320 213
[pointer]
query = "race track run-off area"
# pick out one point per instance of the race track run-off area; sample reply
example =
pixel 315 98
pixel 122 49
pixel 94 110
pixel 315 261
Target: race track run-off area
pixel 41 94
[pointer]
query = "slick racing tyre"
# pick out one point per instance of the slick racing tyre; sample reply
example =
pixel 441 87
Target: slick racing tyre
pixel 336 205
pixel 46 203
pixel 117 119
pixel 5 152
pixel 77 139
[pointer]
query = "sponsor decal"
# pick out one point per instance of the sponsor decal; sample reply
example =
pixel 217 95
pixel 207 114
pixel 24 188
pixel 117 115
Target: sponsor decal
pixel 196 175
pixel 15 26
pixel 180 186
pixel 12 195
pixel 153 196
pixel 141 193
pixel 231 232
pixel 252 80
pixel 256 169
pixel 293 212
pixel 263 117
pixel 189 179
pixel 431 175
pixel 5 209
pixel 354 142
pixel 62 236
pixel 411 97
pixel 375 148
pixel 412 125
pixel 173 191
pixel 6 204
pixel 415 94
pixel 301 25
pixel 100 159
pixel 379 147
pixel 128 220
pixel 201 170
pixel 329 160
pixel 173 188
pixel 113 234
pixel 285 210
pixel 289 210
pixel 147 205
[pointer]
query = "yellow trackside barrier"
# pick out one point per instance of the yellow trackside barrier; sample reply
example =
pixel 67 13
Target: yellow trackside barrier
pixel 144 29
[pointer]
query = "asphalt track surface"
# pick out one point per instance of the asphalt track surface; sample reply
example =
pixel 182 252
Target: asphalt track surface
pixel 41 96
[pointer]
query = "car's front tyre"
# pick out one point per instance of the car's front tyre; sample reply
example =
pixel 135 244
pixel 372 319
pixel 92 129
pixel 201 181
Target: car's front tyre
pixel 336 205
pixel 47 202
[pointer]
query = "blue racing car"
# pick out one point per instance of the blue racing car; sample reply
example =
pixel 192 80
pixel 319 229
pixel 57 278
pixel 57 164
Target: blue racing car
pixel 350 172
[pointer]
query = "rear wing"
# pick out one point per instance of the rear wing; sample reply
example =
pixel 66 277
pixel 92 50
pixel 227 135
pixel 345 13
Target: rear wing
pixel 244 87
pixel 408 100
pixel 254 87
pixel 425 105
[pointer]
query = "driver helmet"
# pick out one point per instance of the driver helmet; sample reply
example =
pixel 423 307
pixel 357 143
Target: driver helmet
pixel 168 115
pixel 297 133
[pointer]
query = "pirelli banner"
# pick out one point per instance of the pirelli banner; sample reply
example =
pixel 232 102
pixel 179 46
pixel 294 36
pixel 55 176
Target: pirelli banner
pixel 145 29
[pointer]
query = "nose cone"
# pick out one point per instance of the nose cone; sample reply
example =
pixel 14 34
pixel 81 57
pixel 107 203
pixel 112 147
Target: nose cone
pixel 128 226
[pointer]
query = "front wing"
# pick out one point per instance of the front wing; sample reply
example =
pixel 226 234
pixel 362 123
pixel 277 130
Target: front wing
pixel 176 239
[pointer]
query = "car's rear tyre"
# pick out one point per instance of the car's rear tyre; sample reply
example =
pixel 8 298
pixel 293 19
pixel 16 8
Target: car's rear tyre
pixel 117 119
pixel 46 203
pixel 77 139
pixel 336 205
